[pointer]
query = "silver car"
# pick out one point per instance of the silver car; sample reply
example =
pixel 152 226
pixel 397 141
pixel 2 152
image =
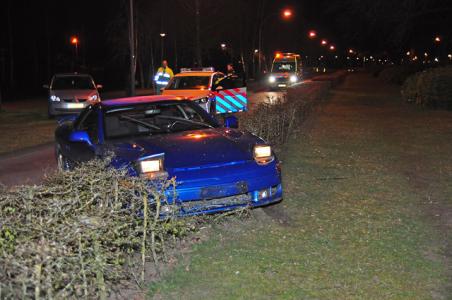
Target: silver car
pixel 70 93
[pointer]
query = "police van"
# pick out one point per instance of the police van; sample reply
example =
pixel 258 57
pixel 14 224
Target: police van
pixel 212 90
pixel 286 70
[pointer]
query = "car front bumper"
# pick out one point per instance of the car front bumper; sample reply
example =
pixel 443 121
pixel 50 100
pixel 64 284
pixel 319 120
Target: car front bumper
pixel 65 108
pixel 252 199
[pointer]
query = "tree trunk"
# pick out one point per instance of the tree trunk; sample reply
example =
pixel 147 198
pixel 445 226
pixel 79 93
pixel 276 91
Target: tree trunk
pixel 10 46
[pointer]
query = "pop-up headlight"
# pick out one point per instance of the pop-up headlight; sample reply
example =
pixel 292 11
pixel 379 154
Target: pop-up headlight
pixel 263 154
pixel 152 167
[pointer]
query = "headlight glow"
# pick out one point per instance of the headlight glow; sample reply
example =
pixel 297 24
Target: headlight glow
pixel 293 78
pixel 263 154
pixel 272 79
pixel 150 166
pixel 55 98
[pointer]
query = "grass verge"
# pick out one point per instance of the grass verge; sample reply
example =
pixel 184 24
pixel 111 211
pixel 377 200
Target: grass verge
pixel 352 225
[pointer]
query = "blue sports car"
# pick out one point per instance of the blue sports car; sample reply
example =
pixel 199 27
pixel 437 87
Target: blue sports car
pixel 217 167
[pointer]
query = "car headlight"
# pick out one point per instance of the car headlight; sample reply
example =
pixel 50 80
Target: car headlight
pixel 93 98
pixel 263 154
pixel 293 78
pixel 152 168
pixel 271 79
pixel 55 98
pixel 202 100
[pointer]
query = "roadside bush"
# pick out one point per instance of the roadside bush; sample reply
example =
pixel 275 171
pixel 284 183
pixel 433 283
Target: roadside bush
pixel 432 87
pixel 398 74
pixel 75 235
pixel 275 120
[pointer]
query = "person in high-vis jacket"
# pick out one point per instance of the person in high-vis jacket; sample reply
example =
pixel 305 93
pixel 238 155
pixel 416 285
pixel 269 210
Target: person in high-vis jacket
pixel 162 77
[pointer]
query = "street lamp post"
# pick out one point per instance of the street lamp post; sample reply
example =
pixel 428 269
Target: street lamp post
pixel 162 36
pixel 75 41
pixel 287 14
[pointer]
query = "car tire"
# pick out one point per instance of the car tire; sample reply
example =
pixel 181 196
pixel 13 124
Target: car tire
pixel 63 164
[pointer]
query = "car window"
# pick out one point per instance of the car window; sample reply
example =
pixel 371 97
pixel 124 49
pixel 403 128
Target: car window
pixel 189 83
pixel 89 123
pixel 155 118
pixel 72 83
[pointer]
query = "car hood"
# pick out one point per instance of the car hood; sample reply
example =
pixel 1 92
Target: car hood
pixel 191 148
pixel 70 94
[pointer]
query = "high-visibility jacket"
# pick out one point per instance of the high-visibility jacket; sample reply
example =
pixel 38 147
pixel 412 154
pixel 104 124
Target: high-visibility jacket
pixel 163 76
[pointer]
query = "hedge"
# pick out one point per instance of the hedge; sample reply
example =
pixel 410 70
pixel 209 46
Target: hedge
pixel 432 87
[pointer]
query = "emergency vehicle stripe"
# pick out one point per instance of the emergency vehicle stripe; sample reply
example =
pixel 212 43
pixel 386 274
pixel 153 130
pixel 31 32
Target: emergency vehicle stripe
pixel 241 91
pixel 236 97
pixel 225 103
pixel 220 109
pixel 234 102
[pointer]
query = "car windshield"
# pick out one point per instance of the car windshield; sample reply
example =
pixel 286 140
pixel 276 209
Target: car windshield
pixel 189 83
pixel 73 83
pixel 155 118
pixel 283 67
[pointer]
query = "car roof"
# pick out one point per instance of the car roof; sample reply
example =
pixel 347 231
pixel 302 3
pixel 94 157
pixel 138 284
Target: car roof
pixel 71 74
pixel 139 100
pixel 197 73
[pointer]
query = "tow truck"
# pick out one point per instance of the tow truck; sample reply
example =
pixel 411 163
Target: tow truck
pixel 215 92
pixel 286 70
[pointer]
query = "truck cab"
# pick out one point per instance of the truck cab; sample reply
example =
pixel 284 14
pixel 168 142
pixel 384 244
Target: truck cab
pixel 286 70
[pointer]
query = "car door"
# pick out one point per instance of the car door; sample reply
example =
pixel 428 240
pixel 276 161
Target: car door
pixel 88 122
pixel 230 95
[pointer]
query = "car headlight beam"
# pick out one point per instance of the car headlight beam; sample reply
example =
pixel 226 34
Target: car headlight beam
pixel 272 79
pixel 293 78
pixel 150 166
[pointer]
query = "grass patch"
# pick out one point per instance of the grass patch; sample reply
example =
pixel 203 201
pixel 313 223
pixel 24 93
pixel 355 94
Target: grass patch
pixel 23 127
pixel 357 228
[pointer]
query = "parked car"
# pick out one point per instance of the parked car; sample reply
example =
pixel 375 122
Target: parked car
pixel 71 93
pixel 217 167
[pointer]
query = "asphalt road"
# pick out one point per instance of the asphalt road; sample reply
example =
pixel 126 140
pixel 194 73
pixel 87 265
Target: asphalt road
pixel 29 166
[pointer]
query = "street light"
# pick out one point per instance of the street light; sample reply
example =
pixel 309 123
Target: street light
pixel 332 47
pixel 223 46
pixel 287 13
pixel 324 42
pixel 312 34
pixel 437 39
pixel 351 51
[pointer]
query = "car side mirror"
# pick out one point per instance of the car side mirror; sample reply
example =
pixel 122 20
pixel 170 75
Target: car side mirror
pixel 45 86
pixel 99 86
pixel 231 122
pixel 80 136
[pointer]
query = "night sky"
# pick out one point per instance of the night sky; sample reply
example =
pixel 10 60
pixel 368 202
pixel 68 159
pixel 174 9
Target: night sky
pixel 36 33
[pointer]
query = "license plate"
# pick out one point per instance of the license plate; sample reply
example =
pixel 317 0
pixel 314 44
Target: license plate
pixel 75 105
pixel 281 85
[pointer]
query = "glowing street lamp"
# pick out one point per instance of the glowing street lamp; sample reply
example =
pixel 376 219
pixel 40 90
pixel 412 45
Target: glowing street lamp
pixel 332 47
pixel 223 46
pixel 351 51
pixel 437 39
pixel 408 53
pixel 324 42
pixel 287 13
pixel 312 34
pixel 162 34
pixel 74 41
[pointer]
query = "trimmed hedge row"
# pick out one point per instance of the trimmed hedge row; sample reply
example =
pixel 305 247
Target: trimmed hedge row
pixel 398 74
pixel 432 87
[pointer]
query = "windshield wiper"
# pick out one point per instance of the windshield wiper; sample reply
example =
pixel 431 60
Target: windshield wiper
pixel 185 120
pixel 147 125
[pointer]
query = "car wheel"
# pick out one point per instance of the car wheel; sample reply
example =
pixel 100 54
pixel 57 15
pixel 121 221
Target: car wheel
pixel 62 162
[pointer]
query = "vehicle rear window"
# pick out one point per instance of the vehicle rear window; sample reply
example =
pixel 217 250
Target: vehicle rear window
pixel 189 83
pixel 73 83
